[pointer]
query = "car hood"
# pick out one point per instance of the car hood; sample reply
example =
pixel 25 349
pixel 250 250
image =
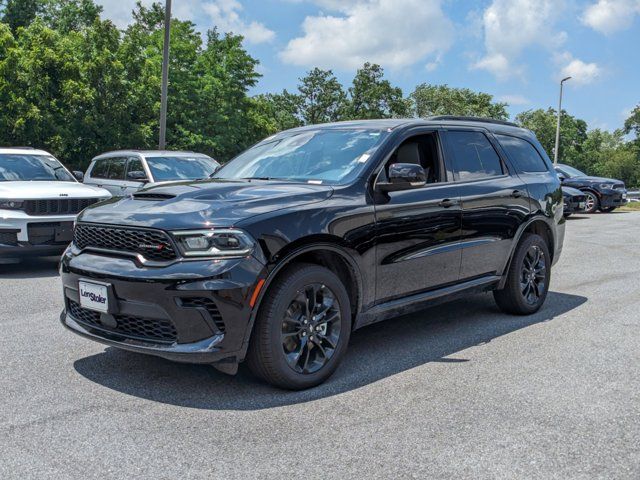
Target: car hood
pixel 189 205
pixel 588 179
pixel 37 190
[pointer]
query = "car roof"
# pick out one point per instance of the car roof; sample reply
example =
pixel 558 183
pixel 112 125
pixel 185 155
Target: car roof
pixel 496 126
pixel 155 153
pixel 23 150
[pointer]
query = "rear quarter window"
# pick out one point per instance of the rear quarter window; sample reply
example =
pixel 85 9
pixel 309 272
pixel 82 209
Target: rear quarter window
pixel 523 155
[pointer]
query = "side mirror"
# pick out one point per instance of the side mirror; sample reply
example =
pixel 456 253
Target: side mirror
pixel 403 176
pixel 79 175
pixel 137 176
pixel 561 177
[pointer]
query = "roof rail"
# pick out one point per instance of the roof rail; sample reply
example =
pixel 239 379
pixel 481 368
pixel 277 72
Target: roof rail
pixel 21 148
pixel 473 119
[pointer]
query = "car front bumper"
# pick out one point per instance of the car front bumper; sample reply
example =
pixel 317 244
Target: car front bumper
pixel 201 308
pixel 24 235
pixel 613 198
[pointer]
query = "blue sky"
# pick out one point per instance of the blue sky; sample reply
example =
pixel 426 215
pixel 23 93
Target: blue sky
pixel 516 50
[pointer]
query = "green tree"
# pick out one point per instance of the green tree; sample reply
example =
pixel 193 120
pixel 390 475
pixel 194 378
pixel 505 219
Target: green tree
pixel 632 124
pixel 60 15
pixel 431 100
pixel 322 97
pixel 283 109
pixel 373 97
pixel 20 13
pixel 573 133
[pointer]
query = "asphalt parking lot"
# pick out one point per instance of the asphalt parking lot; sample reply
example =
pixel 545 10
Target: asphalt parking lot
pixel 457 391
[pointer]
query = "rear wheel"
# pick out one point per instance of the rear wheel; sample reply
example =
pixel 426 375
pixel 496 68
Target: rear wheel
pixel 527 283
pixel 591 202
pixel 302 329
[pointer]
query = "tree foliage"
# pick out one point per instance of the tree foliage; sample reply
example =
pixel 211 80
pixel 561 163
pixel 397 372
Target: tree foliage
pixel 428 100
pixel 373 97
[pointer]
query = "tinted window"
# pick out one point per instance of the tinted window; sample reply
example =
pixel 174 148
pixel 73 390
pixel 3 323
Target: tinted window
pixel 100 169
pixel 32 167
pixel 135 166
pixel 474 155
pixel 181 168
pixel 116 168
pixel 524 156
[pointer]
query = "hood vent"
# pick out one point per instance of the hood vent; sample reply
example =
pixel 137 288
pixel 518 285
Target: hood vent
pixel 153 196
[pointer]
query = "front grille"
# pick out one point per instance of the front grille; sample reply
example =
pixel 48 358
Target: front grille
pixel 9 238
pixel 151 244
pixel 62 206
pixel 209 305
pixel 618 186
pixel 127 325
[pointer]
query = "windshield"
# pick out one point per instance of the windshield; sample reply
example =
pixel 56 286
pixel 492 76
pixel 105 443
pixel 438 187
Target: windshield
pixel 315 156
pixel 571 172
pixel 181 168
pixel 21 167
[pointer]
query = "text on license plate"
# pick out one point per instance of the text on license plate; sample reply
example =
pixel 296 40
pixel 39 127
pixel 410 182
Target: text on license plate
pixel 93 296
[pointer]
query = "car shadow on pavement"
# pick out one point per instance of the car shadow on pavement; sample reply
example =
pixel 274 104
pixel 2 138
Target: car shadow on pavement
pixel 37 267
pixel 375 352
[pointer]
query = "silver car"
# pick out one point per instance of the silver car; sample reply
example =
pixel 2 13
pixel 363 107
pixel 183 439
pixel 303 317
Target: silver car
pixel 126 171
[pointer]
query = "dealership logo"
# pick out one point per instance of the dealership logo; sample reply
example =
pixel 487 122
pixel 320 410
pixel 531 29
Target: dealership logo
pixel 93 296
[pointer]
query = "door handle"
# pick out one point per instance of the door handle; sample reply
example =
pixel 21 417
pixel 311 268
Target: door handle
pixel 516 194
pixel 447 202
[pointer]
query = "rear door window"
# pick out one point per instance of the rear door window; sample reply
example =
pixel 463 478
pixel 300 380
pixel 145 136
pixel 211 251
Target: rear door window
pixel 473 155
pixel 523 155
pixel 117 167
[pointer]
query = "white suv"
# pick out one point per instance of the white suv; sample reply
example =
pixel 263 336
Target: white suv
pixel 126 171
pixel 39 201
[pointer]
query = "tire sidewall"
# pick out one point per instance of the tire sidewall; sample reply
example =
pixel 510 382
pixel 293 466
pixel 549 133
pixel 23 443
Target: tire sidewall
pixel 596 202
pixel 524 246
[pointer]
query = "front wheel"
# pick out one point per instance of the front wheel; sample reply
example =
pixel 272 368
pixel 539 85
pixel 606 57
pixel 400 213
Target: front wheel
pixel 591 202
pixel 302 329
pixel 528 278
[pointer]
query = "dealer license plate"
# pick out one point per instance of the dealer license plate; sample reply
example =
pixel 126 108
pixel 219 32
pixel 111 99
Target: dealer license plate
pixel 93 296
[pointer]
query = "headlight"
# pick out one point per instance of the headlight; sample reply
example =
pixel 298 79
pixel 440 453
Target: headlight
pixel 606 186
pixel 11 204
pixel 221 243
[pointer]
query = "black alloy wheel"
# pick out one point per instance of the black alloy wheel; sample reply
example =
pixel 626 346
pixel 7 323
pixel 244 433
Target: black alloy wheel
pixel 533 275
pixel 527 283
pixel 311 328
pixel 302 328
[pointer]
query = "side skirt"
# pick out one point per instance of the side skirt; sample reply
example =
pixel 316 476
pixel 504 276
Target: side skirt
pixel 420 301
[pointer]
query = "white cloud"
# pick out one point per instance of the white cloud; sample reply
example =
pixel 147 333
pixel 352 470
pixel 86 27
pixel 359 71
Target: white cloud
pixel 393 33
pixel 609 16
pixel 514 99
pixel 224 14
pixel 511 26
pixel 581 73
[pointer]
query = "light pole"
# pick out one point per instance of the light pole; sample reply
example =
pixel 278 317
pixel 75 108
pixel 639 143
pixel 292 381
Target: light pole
pixel 555 150
pixel 165 76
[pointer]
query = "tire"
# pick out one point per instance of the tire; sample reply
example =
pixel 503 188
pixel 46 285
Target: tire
pixel 592 203
pixel 290 348
pixel 608 209
pixel 515 297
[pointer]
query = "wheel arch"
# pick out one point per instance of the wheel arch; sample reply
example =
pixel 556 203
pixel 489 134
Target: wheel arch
pixel 538 225
pixel 326 251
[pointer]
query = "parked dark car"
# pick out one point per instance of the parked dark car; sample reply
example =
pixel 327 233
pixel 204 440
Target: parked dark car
pixel 574 201
pixel 604 194
pixel 312 233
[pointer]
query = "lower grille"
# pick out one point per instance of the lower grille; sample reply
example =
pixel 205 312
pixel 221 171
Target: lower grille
pixel 140 328
pixel 53 233
pixel 209 305
pixel 9 238
pixel 63 206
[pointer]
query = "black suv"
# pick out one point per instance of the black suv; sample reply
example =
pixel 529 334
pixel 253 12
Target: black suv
pixel 312 233
pixel 604 194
